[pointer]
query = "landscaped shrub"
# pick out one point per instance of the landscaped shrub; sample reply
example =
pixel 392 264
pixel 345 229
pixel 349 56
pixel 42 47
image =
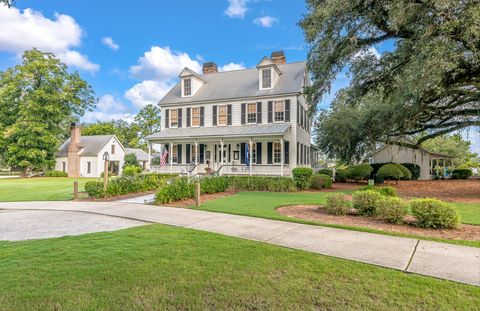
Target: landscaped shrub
pixel 55 174
pixel 433 213
pixel 386 191
pixel 178 189
pixel 131 170
pixel 326 171
pixel 405 172
pixel 110 174
pixel 213 185
pixel 94 188
pixel 413 168
pixel 390 172
pixel 261 183
pixel 359 172
pixel 462 173
pixel 337 204
pixel 366 202
pixel 391 209
pixel 341 175
pixel 301 177
pixel 130 160
pixel 321 181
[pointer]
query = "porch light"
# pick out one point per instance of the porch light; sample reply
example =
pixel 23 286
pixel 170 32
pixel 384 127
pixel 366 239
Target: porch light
pixel 106 156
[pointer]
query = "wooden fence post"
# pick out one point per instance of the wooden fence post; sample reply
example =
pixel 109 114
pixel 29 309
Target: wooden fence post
pixel 197 195
pixel 75 190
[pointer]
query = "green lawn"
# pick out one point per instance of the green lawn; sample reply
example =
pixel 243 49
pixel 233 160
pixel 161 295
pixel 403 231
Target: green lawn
pixel 39 188
pixel 263 204
pixel 159 267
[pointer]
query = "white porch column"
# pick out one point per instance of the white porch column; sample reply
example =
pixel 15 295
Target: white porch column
pixel 250 150
pixel 282 154
pixel 149 156
pixel 196 157
pixel 221 156
pixel 170 156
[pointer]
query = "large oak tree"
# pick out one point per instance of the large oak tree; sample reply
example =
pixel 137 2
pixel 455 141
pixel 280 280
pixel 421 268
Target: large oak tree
pixel 428 82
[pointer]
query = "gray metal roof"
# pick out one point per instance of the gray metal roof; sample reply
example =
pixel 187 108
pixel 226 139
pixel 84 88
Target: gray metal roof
pixel 141 155
pixel 91 145
pixel 240 84
pixel 220 131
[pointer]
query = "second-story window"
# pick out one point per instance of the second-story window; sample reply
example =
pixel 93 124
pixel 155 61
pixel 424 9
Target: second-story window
pixel 252 113
pixel 222 115
pixel 187 87
pixel 113 149
pixel 266 78
pixel 174 118
pixel 279 109
pixel 196 116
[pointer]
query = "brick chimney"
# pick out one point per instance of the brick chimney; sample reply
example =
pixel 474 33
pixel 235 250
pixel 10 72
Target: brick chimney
pixel 278 57
pixel 73 158
pixel 209 67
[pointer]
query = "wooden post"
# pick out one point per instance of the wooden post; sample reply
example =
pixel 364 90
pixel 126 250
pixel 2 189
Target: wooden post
pixel 197 195
pixel 105 176
pixel 75 190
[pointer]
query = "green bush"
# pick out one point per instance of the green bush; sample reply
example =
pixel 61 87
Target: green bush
pixel 94 189
pixel 261 183
pixel 110 174
pixel 55 174
pixel 389 172
pixel 366 202
pixel 359 172
pixel 131 170
pixel 326 171
pixel 392 210
pixel 433 213
pixel 341 175
pixel 385 191
pixel 412 167
pixel 301 177
pixel 321 181
pixel 337 204
pixel 178 189
pixel 462 173
pixel 213 184
pixel 130 160
pixel 405 172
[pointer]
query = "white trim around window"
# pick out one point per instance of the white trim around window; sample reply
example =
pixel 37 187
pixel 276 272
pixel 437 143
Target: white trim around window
pixel 195 114
pixel 279 111
pixel 251 113
pixel 172 118
pixel 222 115
pixel 277 153
pixel 175 154
pixel 267 78
pixel 187 87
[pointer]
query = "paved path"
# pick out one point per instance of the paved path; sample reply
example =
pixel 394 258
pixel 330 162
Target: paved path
pixel 446 261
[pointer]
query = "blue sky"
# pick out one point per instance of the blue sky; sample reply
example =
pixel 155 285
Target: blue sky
pixel 132 51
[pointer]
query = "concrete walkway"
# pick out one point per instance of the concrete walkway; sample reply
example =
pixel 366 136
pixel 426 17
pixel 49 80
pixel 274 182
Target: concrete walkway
pixel 445 261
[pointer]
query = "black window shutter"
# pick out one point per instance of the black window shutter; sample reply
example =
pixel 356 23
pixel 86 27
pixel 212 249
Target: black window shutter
pixel 187 153
pixel 214 114
pixel 180 110
pixel 286 152
pixel 167 147
pixel 301 154
pixel 202 151
pixel 189 111
pixel 298 153
pixel 301 116
pixel 229 115
pixel 167 118
pixel 243 112
pixel 259 112
pixel 270 153
pixel 229 153
pixel 270 112
pixel 287 110
pixel 304 154
pixel 179 154
pixel 259 153
pixel 215 156
pixel 202 116
pixel 298 114
pixel 242 153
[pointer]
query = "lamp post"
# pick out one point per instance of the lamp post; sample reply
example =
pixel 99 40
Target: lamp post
pixel 106 157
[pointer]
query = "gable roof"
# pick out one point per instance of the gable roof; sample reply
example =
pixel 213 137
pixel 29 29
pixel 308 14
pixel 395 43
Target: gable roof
pixel 139 153
pixel 187 72
pixel 240 84
pixel 91 145
pixel 419 148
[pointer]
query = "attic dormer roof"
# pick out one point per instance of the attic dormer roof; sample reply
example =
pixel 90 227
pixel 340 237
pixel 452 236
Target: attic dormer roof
pixel 187 72
pixel 267 62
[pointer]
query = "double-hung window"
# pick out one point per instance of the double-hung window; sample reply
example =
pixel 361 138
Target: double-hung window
pixel 252 113
pixel 196 116
pixel 266 78
pixel 279 111
pixel 174 118
pixel 174 153
pixel 187 87
pixel 193 153
pixel 222 115
pixel 277 153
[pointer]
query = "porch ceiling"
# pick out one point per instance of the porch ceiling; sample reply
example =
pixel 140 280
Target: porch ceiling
pixel 255 130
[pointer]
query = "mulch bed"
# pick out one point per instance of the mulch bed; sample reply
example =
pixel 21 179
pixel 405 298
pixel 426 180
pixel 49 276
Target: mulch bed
pixel 318 213
pixel 204 197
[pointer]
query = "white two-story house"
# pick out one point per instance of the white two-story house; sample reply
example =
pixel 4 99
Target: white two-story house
pixel 250 121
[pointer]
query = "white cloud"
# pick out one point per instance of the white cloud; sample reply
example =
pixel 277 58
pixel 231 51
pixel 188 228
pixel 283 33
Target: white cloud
pixel 108 41
pixel 148 92
pixel 236 8
pixel 265 21
pixel 108 108
pixel 370 51
pixel 231 66
pixel 163 64
pixel 27 29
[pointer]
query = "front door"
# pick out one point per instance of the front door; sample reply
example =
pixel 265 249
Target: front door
pixel 226 157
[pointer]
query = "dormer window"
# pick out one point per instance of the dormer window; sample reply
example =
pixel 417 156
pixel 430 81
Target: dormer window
pixel 187 87
pixel 266 78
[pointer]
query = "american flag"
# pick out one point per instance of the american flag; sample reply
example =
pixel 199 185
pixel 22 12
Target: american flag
pixel 163 156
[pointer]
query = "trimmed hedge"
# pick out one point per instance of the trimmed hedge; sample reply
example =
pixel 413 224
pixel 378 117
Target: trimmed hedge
pixel 392 210
pixel 55 174
pixel 341 175
pixel 359 172
pixel 433 213
pixel 260 183
pixel 412 167
pixel 301 177
pixel 462 173
pixel 131 170
pixel 386 191
pixel 337 204
pixel 366 202
pixel 326 171
pixel 390 171
pixel 177 190
pixel 320 181
pixel 405 172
